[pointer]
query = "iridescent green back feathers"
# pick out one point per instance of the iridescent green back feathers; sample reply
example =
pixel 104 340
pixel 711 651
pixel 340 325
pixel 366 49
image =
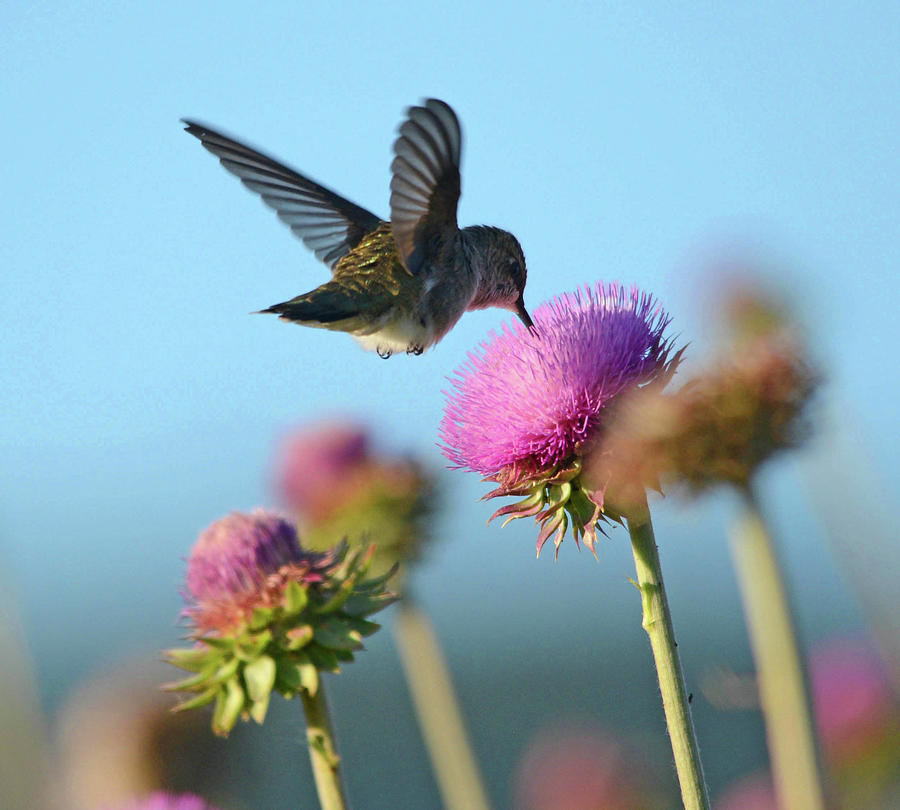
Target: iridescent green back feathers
pixel 368 281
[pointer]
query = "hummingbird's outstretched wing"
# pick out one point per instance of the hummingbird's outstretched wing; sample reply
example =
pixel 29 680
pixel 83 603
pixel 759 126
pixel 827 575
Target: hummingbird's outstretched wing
pixel 328 224
pixel 425 181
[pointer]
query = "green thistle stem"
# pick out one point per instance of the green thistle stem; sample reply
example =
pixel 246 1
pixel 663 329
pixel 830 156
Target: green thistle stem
pixel 323 750
pixel 782 684
pixel 658 624
pixel 437 710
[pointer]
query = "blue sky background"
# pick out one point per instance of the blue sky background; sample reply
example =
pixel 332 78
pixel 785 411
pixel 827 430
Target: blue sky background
pixel 620 141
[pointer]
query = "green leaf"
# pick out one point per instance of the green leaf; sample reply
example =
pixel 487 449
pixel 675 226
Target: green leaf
pixel 378 583
pixel 259 708
pixel 296 673
pixel 357 563
pixel 261 617
pixel 341 595
pixel 323 659
pixel 287 676
pixel 259 676
pixel 193 684
pixel 558 494
pixel 229 705
pixel 361 604
pixel 250 646
pixel 337 635
pixel 226 671
pixel 193 659
pixel 202 699
pixel 582 508
pixel 309 678
pixel 361 626
pixel 295 598
pixel 217 643
pixel 298 637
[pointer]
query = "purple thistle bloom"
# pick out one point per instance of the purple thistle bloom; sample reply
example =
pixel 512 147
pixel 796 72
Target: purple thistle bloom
pixel 335 486
pixel 168 801
pixel 315 464
pixel 234 567
pixel 236 554
pixel 268 615
pixel 525 406
pixel 527 401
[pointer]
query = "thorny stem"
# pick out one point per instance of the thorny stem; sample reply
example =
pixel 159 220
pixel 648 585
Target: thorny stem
pixel 323 750
pixel 658 624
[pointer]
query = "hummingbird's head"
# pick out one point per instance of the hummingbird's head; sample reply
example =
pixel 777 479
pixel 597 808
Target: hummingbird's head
pixel 498 258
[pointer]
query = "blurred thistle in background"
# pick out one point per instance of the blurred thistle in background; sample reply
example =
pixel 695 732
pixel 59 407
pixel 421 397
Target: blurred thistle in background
pixel 723 423
pixel 166 801
pixel 117 738
pixel 336 486
pixel 858 716
pixel 754 792
pixel 339 488
pixel 578 767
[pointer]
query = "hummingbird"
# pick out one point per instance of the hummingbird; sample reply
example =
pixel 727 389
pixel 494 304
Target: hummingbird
pixel 397 285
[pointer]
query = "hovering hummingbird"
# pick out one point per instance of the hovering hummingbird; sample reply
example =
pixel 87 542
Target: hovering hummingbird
pixel 398 285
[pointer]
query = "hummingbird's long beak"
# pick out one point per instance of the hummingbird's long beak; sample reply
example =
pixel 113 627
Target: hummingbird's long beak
pixel 524 316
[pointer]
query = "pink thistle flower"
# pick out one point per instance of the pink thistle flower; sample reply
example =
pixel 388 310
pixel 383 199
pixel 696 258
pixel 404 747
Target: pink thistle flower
pixel 167 801
pixel 335 486
pixel 269 615
pixel 314 465
pixel 856 710
pixel 754 792
pixel 527 406
pixel 582 769
pixel 243 562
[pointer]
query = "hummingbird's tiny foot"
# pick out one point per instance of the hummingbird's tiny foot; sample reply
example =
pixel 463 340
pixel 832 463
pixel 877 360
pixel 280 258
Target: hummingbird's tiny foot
pixel 415 349
pixel 383 353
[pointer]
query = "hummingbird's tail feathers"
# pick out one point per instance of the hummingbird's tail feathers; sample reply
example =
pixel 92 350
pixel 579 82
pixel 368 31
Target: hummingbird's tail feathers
pixel 324 308
pixel 328 224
